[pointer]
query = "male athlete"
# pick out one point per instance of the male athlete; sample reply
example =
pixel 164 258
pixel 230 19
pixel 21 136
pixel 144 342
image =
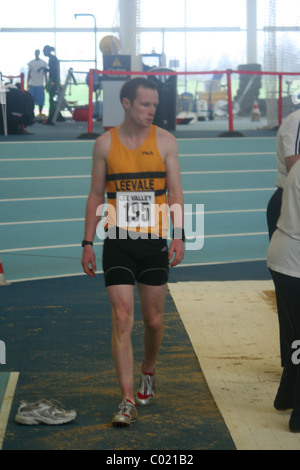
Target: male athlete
pixel 137 165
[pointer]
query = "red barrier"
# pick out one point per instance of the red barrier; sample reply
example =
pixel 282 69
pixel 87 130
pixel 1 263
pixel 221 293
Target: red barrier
pixel 280 100
pixel 91 88
pixel 12 77
pixel 227 72
pixel 229 100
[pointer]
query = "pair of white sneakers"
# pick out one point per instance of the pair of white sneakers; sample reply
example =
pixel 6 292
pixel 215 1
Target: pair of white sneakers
pixel 51 412
pixel 127 409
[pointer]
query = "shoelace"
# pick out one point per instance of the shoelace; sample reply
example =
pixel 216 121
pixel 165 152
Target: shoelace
pixel 147 384
pixel 126 407
pixel 54 406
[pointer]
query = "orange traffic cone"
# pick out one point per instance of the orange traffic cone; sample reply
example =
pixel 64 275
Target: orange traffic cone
pixel 255 113
pixel 3 282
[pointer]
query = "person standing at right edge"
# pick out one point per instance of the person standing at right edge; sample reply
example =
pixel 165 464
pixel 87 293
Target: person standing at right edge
pixel 283 260
pixel 287 153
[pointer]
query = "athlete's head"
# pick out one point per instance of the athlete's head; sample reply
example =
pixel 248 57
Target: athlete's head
pixel 129 89
pixel 48 50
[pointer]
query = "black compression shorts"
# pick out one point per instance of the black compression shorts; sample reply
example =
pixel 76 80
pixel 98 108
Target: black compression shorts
pixel 129 261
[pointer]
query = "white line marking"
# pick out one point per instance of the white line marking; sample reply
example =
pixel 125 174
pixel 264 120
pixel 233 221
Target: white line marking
pixel 24 142
pixel 226 171
pixel 181 265
pixel 212 263
pixel 58 276
pixel 49 247
pixel 76 245
pixel 44 177
pixel 42 198
pixel 250 234
pixel 229 211
pixel 26 178
pixel 81 219
pixel 6 404
pixel 42 159
pixel 239 154
pixel 88 141
pixel 185 192
pixel 227 139
pixel 228 190
pixel 181 155
pixel 50 221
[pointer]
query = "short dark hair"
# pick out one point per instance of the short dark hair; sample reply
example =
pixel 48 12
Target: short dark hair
pixel 130 87
pixel 48 49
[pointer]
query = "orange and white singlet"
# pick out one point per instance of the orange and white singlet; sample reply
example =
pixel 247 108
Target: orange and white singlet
pixel 136 186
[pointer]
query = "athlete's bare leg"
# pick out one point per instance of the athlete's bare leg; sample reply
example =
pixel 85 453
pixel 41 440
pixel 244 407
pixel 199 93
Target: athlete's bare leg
pixel 122 306
pixel 152 300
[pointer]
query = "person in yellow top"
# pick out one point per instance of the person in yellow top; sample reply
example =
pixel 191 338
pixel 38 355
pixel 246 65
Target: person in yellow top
pixel 136 164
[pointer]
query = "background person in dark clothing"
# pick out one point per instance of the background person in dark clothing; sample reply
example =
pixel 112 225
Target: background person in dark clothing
pixel 53 79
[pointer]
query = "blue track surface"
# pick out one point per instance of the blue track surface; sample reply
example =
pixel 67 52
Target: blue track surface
pixel 55 331
pixel 44 186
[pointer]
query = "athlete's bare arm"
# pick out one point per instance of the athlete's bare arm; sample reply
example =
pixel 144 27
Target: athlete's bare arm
pixel 95 199
pixel 167 145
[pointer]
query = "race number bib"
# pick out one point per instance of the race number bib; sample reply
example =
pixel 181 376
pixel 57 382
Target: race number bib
pixel 136 209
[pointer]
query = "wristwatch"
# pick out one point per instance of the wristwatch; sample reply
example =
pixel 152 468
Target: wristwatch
pixel 178 233
pixel 85 242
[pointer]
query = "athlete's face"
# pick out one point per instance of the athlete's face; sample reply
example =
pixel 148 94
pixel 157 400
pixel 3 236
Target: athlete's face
pixel 143 108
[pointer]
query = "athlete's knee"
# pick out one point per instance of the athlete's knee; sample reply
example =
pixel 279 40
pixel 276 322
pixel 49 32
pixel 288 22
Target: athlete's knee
pixel 154 322
pixel 122 319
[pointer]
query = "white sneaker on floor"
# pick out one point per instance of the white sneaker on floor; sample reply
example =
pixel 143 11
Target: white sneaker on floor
pixel 44 412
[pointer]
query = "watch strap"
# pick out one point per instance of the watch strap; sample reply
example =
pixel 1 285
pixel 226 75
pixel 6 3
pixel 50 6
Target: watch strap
pixel 86 242
pixel 178 234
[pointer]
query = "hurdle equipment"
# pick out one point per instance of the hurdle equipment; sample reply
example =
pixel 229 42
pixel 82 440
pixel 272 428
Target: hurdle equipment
pixel 61 102
pixel 3 282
